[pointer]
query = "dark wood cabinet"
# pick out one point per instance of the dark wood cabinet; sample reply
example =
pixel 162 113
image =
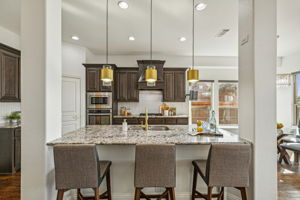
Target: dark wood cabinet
pixel 152 121
pixel 9 74
pixel 92 79
pixel 127 85
pixel 10 150
pixel 93 76
pixel 175 83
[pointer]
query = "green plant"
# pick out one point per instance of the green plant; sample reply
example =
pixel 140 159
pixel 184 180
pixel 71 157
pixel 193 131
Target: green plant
pixel 14 116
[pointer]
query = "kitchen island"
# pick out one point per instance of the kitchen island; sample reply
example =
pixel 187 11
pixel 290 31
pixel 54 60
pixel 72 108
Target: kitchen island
pixel 119 147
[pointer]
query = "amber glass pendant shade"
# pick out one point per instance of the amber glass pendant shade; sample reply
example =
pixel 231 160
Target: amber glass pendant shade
pixel 151 74
pixel 193 75
pixel 107 74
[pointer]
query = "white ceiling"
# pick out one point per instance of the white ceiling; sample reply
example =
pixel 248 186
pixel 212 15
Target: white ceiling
pixel 171 20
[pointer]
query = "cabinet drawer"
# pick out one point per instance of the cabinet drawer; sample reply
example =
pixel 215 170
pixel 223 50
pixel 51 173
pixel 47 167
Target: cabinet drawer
pixel 130 121
pixel 170 120
pixel 182 121
pixel 156 121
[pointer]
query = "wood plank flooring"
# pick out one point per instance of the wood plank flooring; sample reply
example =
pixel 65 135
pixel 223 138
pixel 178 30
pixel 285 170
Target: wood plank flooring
pixel 10 187
pixel 288 184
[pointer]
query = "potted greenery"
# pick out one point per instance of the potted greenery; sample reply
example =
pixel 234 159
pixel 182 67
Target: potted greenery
pixel 14 117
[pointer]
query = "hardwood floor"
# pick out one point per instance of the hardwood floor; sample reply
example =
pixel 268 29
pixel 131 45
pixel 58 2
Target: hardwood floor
pixel 10 187
pixel 288 184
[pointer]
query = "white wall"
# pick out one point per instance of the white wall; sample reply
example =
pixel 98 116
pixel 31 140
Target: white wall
pixel 290 64
pixel 72 58
pixel 13 40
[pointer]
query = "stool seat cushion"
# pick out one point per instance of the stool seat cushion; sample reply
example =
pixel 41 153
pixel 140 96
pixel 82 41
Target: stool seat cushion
pixel 291 146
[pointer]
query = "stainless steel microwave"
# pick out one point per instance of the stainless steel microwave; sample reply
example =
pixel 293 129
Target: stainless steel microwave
pixel 99 100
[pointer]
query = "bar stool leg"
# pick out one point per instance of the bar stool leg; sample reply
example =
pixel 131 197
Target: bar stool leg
pixel 137 195
pixel 108 185
pixel 243 193
pixel 172 194
pixel 97 193
pixel 194 184
pixel 60 194
pixel 209 193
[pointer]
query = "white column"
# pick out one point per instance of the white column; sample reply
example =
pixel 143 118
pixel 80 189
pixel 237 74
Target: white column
pixel 41 94
pixel 257 90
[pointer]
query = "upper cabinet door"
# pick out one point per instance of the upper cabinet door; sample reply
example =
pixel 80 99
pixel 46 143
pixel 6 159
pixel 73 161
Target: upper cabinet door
pixel 92 79
pixel 132 81
pixel 169 86
pixel 122 86
pixel 179 89
pixel 9 77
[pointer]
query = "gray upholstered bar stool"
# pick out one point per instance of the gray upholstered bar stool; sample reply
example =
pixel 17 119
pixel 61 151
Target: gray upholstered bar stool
pixel 155 166
pixel 227 166
pixel 78 167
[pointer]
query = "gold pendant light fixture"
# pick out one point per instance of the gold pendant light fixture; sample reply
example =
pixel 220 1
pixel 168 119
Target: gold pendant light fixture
pixel 107 74
pixel 151 72
pixel 192 73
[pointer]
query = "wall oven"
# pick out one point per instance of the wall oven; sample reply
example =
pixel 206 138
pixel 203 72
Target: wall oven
pixel 99 100
pixel 99 116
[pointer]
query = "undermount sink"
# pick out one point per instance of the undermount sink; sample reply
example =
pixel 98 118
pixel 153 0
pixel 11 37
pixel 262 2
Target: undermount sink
pixel 151 128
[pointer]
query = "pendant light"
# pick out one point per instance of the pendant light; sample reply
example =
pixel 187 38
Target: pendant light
pixel 107 75
pixel 192 73
pixel 151 72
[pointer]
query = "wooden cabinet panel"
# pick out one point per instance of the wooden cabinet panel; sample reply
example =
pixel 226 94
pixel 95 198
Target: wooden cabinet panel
pixel 179 89
pixel 170 121
pixel 182 121
pixel 169 86
pixel 17 149
pixel 127 85
pixel 132 81
pixel 92 79
pixel 122 86
pixel 9 75
pixel 156 121
pixel 130 121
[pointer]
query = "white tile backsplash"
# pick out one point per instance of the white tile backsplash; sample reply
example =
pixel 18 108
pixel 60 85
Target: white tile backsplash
pixel 7 108
pixel 153 99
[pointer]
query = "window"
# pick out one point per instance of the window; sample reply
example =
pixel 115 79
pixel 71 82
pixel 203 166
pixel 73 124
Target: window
pixel 202 106
pixel 228 103
pixel 297 98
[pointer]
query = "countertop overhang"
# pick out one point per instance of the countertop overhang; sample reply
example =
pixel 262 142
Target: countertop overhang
pixel 113 135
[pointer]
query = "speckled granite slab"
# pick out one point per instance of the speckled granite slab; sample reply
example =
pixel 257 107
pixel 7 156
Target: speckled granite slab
pixel 10 125
pixel 113 135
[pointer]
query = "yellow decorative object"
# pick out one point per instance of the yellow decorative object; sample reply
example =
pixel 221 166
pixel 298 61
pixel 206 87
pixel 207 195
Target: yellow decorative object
pixel 151 74
pixel 199 123
pixel 199 129
pixel 193 75
pixel 107 74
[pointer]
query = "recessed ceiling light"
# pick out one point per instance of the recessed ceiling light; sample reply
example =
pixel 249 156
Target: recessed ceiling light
pixel 123 4
pixel 200 6
pixel 74 37
pixel 131 38
pixel 182 39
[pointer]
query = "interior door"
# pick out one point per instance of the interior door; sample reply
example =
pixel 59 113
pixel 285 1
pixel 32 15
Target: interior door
pixel 70 104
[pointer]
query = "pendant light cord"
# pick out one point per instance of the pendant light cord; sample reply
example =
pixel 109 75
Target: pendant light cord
pixel 193 36
pixel 106 31
pixel 151 30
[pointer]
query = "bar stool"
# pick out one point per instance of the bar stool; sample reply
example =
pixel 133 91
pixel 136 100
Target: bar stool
pixel 78 167
pixel 227 166
pixel 155 166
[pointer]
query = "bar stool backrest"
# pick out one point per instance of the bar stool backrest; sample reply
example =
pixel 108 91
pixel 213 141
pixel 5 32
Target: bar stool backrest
pixel 228 165
pixel 76 166
pixel 155 166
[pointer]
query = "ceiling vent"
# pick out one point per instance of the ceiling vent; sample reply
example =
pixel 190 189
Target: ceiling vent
pixel 222 32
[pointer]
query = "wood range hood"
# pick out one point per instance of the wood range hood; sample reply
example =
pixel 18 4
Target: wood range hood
pixel 142 84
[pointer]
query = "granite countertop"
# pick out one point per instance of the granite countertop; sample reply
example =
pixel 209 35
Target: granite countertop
pixel 113 135
pixel 138 116
pixel 10 125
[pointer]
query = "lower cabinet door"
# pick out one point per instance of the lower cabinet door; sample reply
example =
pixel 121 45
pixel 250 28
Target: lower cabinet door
pixel 17 149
